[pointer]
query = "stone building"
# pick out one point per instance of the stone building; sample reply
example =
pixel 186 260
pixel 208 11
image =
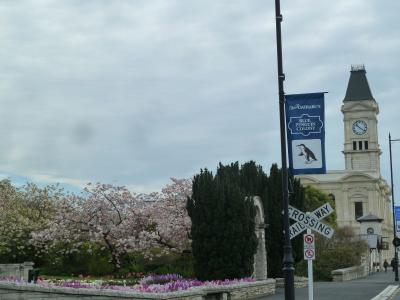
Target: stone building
pixel 359 189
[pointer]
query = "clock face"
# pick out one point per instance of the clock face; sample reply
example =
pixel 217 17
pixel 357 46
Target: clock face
pixel 359 127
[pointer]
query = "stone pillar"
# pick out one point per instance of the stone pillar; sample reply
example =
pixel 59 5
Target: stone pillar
pixel 28 265
pixel 260 258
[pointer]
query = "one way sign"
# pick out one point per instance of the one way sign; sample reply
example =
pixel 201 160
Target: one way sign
pixel 310 220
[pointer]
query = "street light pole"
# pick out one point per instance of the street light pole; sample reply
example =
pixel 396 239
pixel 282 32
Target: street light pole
pixel 288 261
pixel 396 258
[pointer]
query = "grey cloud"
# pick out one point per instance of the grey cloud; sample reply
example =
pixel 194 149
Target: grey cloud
pixel 134 92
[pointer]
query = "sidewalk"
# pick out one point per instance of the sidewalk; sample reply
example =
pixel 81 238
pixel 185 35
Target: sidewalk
pixel 361 289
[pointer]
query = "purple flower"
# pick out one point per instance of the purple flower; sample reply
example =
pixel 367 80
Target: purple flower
pixel 150 284
pixel 160 279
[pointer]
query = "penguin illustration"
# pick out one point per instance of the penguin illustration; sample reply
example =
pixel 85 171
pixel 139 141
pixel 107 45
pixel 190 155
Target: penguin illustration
pixel 308 154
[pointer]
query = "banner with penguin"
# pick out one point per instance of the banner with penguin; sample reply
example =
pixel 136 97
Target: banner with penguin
pixel 397 218
pixel 305 119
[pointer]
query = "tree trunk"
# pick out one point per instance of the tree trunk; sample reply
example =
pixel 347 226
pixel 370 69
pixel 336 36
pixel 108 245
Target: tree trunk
pixel 114 257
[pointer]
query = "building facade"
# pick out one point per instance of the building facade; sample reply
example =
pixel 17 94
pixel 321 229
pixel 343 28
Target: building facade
pixel 359 189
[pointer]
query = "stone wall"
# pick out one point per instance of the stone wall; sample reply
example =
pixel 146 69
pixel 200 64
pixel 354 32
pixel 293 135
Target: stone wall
pixel 16 270
pixel 350 273
pixel 253 291
pixel 299 282
pixel 242 291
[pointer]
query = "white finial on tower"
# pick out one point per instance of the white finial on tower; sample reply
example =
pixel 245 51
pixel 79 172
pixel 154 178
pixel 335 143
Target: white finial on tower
pixel 355 68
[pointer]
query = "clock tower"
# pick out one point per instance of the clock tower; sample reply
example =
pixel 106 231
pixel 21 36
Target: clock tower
pixel 359 191
pixel 360 110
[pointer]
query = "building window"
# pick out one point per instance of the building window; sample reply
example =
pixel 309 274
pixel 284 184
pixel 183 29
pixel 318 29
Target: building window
pixel 366 145
pixel 359 145
pixel 354 145
pixel 358 209
pixel 370 230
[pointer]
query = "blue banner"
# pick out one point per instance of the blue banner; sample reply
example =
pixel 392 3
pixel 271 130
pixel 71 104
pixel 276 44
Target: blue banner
pixel 397 216
pixel 305 118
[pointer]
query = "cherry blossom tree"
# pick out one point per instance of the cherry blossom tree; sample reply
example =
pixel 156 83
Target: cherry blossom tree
pixel 120 221
pixel 107 215
pixel 168 213
pixel 22 211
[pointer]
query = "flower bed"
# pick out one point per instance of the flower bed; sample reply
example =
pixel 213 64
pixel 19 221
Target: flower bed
pixel 179 288
pixel 150 284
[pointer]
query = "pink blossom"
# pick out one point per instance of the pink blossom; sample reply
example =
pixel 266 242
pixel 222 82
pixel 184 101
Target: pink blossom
pixel 120 221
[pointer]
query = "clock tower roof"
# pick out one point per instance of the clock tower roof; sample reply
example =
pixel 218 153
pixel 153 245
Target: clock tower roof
pixel 358 87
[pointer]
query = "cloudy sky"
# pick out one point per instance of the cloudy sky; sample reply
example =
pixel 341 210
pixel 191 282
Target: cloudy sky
pixel 135 92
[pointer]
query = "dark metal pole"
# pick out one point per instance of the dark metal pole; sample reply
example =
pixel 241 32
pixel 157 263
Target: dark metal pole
pixel 288 269
pixel 396 258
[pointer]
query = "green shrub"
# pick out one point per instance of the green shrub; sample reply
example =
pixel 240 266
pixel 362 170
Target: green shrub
pixel 343 250
pixel 89 259
pixel 176 263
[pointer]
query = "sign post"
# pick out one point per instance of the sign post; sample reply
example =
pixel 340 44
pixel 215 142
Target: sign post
pixel 309 254
pixel 310 221
pixel 288 261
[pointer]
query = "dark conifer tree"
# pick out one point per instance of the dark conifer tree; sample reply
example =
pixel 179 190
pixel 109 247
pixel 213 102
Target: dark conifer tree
pixel 252 179
pixel 200 209
pixel 272 201
pixel 223 221
pixel 273 209
pixel 223 226
pixel 297 199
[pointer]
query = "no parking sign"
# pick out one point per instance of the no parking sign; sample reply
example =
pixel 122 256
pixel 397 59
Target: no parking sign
pixel 309 254
pixel 309 246
pixel 309 240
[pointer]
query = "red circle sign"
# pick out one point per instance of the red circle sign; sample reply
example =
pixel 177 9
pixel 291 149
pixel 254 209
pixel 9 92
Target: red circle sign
pixel 308 239
pixel 309 253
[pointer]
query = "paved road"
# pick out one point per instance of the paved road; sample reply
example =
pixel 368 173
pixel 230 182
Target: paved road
pixel 361 289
